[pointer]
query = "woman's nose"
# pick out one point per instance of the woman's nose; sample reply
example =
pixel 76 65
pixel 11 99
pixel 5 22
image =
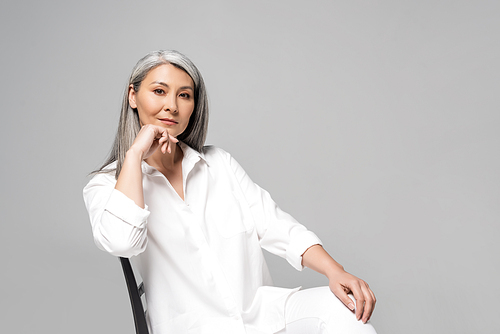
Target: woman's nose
pixel 170 104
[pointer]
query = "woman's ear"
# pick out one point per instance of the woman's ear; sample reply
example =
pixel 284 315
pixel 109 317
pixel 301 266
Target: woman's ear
pixel 131 97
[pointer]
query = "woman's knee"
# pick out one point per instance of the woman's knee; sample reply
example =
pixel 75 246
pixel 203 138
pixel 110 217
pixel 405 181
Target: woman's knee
pixel 322 304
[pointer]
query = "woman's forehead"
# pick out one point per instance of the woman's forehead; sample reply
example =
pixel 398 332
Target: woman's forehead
pixel 169 74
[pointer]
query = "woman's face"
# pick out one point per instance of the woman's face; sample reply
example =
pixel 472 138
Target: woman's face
pixel 165 98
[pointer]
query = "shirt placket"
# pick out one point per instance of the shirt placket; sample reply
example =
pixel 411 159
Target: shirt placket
pixel 210 258
pixel 217 275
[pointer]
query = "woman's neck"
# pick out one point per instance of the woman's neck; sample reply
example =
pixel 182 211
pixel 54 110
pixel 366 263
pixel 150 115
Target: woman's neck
pixel 170 165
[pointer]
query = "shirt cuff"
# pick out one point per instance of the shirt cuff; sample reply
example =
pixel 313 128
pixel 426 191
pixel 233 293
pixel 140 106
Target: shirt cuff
pixel 298 245
pixel 122 207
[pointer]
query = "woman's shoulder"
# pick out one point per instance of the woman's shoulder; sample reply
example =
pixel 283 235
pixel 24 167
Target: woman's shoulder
pixel 214 154
pixel 218 157
pixel 210 150
pixel 104 176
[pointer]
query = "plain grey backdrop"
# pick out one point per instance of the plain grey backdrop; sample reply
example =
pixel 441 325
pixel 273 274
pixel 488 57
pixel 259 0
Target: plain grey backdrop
pixel 374 123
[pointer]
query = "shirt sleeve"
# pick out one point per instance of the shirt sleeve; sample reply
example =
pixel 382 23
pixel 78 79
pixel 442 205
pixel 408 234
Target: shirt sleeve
pixel 118 224
pixel 279 232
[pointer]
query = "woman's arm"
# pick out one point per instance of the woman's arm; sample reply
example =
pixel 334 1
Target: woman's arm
pixel 280 234
pixel 341 282
pixel 116 207
pixel 147 141
pixel 130 179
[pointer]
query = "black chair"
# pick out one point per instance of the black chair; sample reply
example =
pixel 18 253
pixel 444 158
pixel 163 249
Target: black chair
pixel 135 292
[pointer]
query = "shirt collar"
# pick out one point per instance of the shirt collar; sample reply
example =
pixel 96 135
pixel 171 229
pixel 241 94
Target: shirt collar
pixel 191 154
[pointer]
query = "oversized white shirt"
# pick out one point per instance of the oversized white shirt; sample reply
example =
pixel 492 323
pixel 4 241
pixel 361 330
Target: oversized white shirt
pixel 201 258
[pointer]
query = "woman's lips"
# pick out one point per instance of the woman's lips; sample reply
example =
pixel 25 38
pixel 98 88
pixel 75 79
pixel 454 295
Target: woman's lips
pixel 168 121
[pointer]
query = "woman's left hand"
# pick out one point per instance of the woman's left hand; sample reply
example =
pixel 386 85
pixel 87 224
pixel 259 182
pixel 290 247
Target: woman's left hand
pixel 342 283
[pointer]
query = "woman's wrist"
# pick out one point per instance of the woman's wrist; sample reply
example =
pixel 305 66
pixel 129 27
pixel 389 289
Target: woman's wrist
pixel 333 269
pixel 316 258
pixel 134 154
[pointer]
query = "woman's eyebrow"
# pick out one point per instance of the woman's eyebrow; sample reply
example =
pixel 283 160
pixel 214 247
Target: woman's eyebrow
pixel 167 86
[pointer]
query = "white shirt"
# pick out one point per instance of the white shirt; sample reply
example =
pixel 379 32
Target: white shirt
pixel 200 258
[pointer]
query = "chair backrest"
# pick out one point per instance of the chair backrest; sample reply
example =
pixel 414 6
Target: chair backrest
pixel 135 292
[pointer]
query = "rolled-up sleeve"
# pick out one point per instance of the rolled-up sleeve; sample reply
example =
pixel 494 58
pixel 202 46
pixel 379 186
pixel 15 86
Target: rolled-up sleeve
pixel 119 226
pixel 279 232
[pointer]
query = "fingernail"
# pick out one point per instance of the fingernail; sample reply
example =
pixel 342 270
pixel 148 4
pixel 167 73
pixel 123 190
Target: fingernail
pixel 351 306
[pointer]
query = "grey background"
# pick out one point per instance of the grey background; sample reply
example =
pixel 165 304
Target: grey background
pixel 375 123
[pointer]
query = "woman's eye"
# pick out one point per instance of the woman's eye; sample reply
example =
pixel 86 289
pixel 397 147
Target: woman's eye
pixel 159 91
pixel 184 95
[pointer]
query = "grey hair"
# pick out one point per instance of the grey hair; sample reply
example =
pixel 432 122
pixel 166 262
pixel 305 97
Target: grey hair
pixel 129 125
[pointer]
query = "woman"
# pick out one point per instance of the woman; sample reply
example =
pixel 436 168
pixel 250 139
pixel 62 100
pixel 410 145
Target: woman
pixel 194 224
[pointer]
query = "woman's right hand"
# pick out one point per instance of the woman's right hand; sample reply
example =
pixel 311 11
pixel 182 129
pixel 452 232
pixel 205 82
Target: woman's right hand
pixel 150 138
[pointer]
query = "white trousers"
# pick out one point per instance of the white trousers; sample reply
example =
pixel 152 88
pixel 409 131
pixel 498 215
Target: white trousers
pixel 318 311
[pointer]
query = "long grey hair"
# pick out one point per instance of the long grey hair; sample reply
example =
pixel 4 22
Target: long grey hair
pixel 129 125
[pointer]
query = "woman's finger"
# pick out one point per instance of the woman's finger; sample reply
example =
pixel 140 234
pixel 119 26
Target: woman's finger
pixel 374 300
pixel 369 302
pixel 340 292
pixel 164 146
pixel 360 299
pixel 173 139
pixel 164 143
